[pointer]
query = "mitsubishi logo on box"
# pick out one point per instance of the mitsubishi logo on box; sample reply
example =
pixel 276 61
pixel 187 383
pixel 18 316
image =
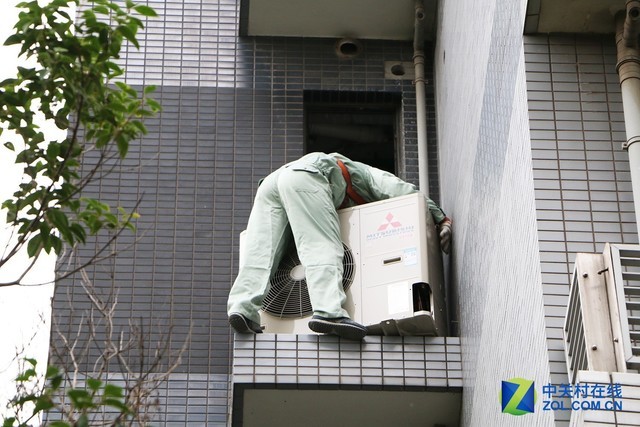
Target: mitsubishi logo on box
pixel 389 227
pixel 390 222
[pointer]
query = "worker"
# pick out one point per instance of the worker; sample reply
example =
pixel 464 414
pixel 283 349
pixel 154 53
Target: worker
pixel 302 198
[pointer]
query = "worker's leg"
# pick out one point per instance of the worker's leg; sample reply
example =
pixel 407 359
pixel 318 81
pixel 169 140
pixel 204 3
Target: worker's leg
pixel 265 239
pixel 306 197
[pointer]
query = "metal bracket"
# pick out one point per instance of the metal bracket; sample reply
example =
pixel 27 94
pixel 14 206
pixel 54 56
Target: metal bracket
pixel 628 142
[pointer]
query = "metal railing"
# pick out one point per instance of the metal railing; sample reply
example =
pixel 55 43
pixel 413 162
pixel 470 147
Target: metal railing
pixel 575 343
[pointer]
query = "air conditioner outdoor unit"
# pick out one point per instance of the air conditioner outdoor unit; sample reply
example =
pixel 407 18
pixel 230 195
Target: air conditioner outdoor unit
pixel 393 273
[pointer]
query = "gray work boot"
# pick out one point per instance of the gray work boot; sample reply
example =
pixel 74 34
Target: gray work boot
pixel 341 326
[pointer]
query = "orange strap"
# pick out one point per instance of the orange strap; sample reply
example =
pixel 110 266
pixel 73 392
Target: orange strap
pixel 351 192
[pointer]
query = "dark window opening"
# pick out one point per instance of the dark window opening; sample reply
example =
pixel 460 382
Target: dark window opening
pixel 360 125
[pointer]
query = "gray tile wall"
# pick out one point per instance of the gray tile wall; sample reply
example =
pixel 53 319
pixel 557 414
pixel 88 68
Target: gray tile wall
pixel 232 112
pixel 582 180
pixel 185 399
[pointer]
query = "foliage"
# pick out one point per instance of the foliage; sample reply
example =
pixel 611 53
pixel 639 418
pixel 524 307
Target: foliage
pixel 82 401
pixel 76 84
pixel 111 373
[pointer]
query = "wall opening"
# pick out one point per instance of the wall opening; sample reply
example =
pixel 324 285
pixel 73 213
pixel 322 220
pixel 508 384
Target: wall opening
pixel 364 126
pixel 294 405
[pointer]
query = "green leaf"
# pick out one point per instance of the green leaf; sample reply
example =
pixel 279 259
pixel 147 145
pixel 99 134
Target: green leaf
pixel 127 89
pixel 135 23
pixel 53 151
pixel 58 219
pixel 13 39
pixel 101 9
pixel 103 206
pixel 129 35
pixel 139 126
pixel 123 146
pixel 56 382
pixel 94 224
pixel 81 399
pixel 43 403
pixel 34 244
pixel 90 17
pixel 61 3
pixel 37 138
pixel 52 371
pixel 25 398
pixel 113 6
pixel 153 104
pixel 26 375
pixel 111 219
pixel 94 384
pixel 83 421
pixel 10 146
pixel 145 10
pixel 12 215
pixel 45 232
pixel 79 232
pixel 115 69
pixel 56 244
pixel 115 403
pixel 8 422
pixel 26 73
pixel 111 390
pixel 8 82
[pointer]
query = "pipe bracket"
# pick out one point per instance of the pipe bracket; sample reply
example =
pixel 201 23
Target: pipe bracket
pixel 630 141
pixel 631 27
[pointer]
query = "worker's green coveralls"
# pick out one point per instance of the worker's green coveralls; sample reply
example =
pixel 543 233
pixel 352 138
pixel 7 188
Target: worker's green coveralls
pixel 304 195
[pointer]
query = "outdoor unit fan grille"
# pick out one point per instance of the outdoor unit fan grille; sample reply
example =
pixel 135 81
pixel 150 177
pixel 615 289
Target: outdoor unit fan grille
pixel 289 296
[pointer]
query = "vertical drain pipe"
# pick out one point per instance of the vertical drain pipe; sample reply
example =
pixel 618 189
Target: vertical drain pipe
pixel 421 101
pixel 628 68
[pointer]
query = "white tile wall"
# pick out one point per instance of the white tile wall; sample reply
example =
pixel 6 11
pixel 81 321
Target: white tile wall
pixel 529 198
pixel 627 414
pixel 316 359
pixel 487 186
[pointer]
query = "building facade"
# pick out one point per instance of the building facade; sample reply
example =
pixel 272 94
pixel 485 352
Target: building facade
pixel 524 153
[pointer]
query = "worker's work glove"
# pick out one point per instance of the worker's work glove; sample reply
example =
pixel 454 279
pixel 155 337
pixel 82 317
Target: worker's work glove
pixel 445 234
